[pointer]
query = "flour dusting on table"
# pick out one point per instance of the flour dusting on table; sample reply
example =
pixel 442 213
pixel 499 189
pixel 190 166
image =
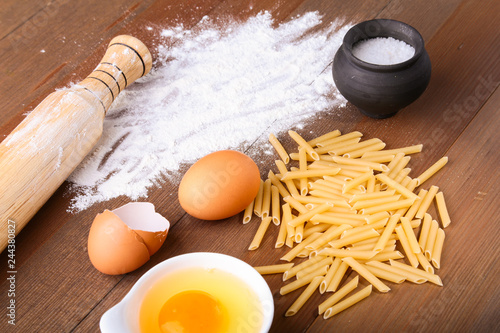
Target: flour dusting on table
pixel 218 86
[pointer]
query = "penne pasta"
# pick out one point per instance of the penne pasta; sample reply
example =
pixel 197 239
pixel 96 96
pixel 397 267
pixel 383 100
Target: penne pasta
pixel 437 249
pixel 398 187
pixel 442 209
pixel 424 231
pixel 410 235
pixel 361 270
pixel 279 148
pixel 259 235
pixel 273 269
pixel 324 137
pixel 302 143
pixel 266 199
pixel 348 302
pixel 409 276
pixel 290 273
pixel 341 293
pixel 304 296
pixel 290 255
pixel 276 205
pixel 287 288
pixel 257 207
pixel 385 275
pixel 389 229
pixel 309 173
pixel 329 275
pixel 247 215
pixel 426 201
pixel 307 216
pixel 337 277
pixel 432 170
pixel 431 239
pixel 426 275
pixel 406 246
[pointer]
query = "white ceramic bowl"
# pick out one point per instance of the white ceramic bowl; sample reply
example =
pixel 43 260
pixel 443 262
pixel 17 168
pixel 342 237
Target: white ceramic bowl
pixel 124 316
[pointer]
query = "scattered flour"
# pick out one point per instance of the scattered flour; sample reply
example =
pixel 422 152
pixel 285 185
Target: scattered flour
pixel 383 51
pixel 218 86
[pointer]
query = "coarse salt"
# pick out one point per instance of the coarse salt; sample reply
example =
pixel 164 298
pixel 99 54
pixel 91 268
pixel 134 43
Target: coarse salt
pixel 383 51
pixel 218 86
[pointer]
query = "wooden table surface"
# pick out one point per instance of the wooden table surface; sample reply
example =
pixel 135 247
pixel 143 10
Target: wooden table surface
pixel 58 290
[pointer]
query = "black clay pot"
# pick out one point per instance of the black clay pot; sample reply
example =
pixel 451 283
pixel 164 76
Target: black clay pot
pixel 379 91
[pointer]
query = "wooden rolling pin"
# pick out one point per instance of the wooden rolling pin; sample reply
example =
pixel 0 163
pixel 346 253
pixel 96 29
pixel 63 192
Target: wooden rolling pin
pixel 43 150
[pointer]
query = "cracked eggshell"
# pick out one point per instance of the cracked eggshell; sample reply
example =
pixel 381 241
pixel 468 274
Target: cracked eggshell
pixel 124 239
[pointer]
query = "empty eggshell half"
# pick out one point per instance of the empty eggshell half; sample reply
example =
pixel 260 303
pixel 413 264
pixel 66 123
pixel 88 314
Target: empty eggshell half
pixel 124 239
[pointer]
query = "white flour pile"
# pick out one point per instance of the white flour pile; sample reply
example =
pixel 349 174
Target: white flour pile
pixel 215 88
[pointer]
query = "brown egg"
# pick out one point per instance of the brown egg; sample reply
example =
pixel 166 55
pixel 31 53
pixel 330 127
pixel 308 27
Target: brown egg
pixel 124 239
pixel 219 185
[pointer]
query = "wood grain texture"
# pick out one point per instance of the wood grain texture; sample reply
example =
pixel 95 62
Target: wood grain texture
pixel 58 290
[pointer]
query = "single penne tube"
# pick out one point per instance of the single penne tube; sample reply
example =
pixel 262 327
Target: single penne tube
pixel 273 269
pixel 392 163
pixel 430 277
pixel 437 249
pixel 281 238
pixel 290 185
pixel 247 214
pixel 360 162
pixel 341 253
pixel 304 296
pixel 359 152
pixel 402 163
pixel 370 233
pixel 412 211
pixel 404 150
pixel 386 234
pixel 330 198
pixel 337 277
pixel 409 276
pixel 329 235
pixel 354 147
pixel 324 186
pixel 370 185
pixel 309 173
pixel 388 206
pixel 401 175
pixel 426 201
pixel 370 219
pixel 303 167
pixel 279 148
pixel 257 207
pixel 381 158
pixel 357 181
pixel 276 182
pixel 290 255
pixel 259 235
pixel 350 174
pixel 371 195
pixel 294 203
pixel 375 202
pixel 326 147
pixel 315 228
pixel 276 205
pixel 376 226
pixel 385 275
pixel 337 296
pixel 398 187
pixel 340 138
pixel 361 270
pixel 424 231
pixel 348 302
pixel 326 261
pixel 324 137
pixel 406 246
pixel 266 199
pixel 323 218
pixel 384 256
pixel 307 216
pixel 410 235
pixel 294 285
pixel 329 275
pixel 299 233
pixel 431 239
pixel 303 143
pixel 442 209
pixel 431 170
pixel 426 265
pixel 303 265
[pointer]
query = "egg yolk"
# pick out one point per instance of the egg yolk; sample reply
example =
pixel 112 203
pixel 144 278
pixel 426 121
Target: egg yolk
pixel 192 311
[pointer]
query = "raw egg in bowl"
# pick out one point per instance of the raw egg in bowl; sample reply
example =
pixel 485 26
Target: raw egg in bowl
pixel 195 292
